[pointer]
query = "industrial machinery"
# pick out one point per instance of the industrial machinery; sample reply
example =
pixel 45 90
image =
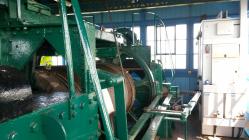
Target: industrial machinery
pixel 223 86
pixel 71 99
pixel 153 110
pixel 34 103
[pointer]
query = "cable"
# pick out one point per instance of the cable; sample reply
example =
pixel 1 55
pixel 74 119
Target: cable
pixel 167 40
pixel 119 55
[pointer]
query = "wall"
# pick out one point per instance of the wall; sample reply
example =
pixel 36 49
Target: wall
pixel 189 14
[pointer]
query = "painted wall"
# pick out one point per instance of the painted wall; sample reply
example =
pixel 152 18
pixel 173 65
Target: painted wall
pixel 189 15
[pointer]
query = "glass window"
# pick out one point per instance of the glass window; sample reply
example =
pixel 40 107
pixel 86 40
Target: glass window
pixel 150 33
pixel 108 29
pixel 52 61
pixel 181 31
pixel 57 60
pixel 181 46
pixel 169 46
pixel 195 44
pixel 137 31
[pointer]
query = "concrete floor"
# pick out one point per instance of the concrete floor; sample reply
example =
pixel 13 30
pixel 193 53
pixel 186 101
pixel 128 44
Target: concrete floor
pixel 194 131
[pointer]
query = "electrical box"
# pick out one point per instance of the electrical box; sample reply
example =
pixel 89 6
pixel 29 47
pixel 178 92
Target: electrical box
pixel 219 77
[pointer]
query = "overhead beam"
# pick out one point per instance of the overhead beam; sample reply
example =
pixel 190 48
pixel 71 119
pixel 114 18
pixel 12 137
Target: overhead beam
pixel 98 6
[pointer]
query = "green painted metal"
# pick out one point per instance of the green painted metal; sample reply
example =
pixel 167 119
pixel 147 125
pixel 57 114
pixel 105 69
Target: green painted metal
pixel 174 90
pixel 39 8
pixel 52 123
pixel 92 67
pixel 117 81
pixel 157 71
pixel 152 131
pixel 143 119
pixel 133 52
pixel 121 128
pixel 106 52
pixel 68 54
pixel 20 39
pixel 147 89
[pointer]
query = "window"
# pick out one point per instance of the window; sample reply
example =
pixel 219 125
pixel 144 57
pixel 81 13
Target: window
pixel 52 61
pixel 195 44
pixel 169 46
pixel 108 30
pixel 137 31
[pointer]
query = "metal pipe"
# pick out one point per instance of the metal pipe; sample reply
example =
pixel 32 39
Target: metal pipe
pixel 165 113
pixel 92 69
pixel 192 103
pixel 68 52
pixel 143 119
pixel 173 119
pixel 18 8
pixel 155 123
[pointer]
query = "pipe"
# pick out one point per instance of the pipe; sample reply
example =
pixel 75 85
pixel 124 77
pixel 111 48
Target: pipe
pixel 192 103
pixel 92 69
pixel 143 119
pixel 166 112
pixel 18 9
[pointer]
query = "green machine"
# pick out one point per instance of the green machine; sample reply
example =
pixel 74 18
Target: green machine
pixel 153 112
pixel 70 99
pixel 69 103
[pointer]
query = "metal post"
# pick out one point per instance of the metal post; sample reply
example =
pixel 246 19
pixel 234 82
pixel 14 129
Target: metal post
pixel 68 52
pixel 186 130
pixel 120 114
pixel 92 69
pixel 18 9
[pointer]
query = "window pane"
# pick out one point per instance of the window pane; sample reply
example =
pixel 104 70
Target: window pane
pixel 180 61
pixel 196 61
pixel 196 29
pixel 170 61
pixel 181 46
pixel 158 47
pixel 152 48
pixel 150 33
pixel 170 32
pixel 137 31
pixel 161 33
pixel 170 47
pixel 195 44
pixel 108 30
pixel 150 43
pixel 181 31
pixel 163 47
pixel 57 60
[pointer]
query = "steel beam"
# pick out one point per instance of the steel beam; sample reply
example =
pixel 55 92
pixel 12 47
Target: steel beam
pixel 68 53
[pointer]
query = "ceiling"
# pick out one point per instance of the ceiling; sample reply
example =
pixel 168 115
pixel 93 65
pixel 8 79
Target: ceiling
pixel 106 5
